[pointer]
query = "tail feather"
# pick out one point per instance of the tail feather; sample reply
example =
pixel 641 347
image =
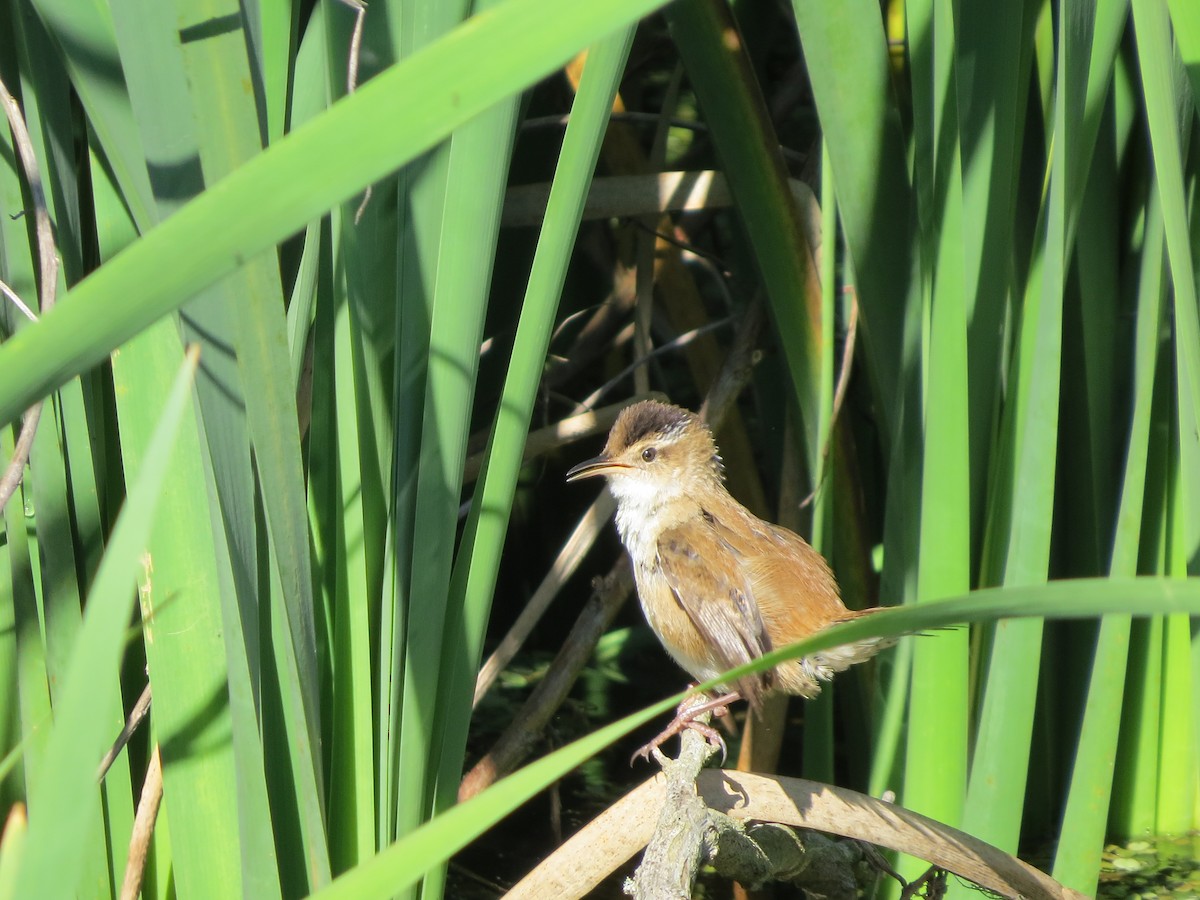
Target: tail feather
pixel 804 676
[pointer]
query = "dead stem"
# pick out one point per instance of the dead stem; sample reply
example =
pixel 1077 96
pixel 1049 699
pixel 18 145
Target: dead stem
pixel 48 273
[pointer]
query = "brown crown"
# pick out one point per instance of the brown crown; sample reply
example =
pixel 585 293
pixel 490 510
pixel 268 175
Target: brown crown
pixel 648 419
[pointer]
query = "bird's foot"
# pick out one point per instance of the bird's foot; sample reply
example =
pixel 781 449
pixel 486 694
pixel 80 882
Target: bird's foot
pixel 678 725
pixel 687 716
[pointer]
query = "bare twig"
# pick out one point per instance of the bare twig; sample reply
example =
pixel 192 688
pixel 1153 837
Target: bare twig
pixel 738 368
pixel 143 828
pixel 839 396
pixel 566 431
pixel 626 196
pixel 47 255
pixel 355 54
pixel 675 852
pixel 48 274
pixel 612 838
pixel 599 848
pixel 678 239
pixel 568 561
pixel 360 14
pixel 762 735
pixel 595 337
pixel 646 246
pixel 797 157
pixel 682 341
pixel 522 734
pixel 15 471
pixel 136 715
pixel 18 302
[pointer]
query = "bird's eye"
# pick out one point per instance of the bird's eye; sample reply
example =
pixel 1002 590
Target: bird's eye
pixel 649 453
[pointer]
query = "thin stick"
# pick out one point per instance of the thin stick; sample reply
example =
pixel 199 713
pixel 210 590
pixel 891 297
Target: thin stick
pixel 15 471
pixel 48 270
pixel 552 437
pixel 626 196
pixel 18 302
pixel 675 853
pixel 677 343
pixel 360 15
pixel 595 337
pixel 569 558
pixel 519 738
pixel 646 248
pixel 136 715
pixel 143 828
pixel 799 157
pixel 839 396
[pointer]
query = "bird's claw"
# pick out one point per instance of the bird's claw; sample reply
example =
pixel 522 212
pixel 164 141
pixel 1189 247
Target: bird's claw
pixel 686 718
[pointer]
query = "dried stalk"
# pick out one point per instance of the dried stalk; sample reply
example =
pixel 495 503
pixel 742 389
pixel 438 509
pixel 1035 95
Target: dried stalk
pixel 136 715
pixel 676 851
pixel 626 196
pixel 569 558
pixel 567 431
pixel 523 733
pixel 613 837
pixel 143 828
pixel 48 272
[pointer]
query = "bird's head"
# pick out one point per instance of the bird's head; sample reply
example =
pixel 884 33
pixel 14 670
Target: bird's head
pixel 655 452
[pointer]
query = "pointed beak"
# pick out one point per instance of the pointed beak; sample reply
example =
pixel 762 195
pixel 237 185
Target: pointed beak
pixel 601 465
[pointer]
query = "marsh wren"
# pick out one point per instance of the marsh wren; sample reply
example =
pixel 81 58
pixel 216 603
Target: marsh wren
pixel 719 586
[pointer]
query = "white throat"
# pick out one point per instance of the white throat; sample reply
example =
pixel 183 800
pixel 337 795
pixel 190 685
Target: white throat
pixel 643 511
